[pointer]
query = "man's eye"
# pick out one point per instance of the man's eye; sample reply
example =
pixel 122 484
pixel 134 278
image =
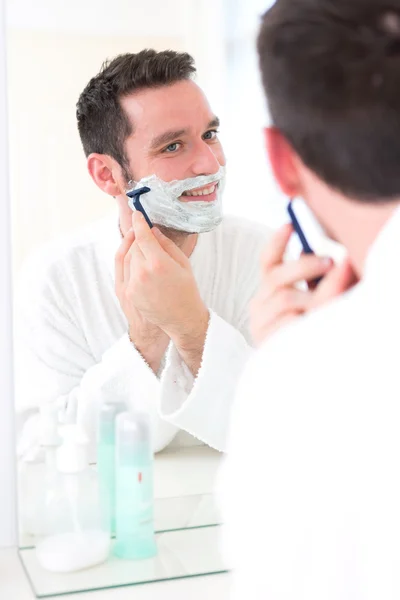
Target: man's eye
pixel 172 147
pixel 210 135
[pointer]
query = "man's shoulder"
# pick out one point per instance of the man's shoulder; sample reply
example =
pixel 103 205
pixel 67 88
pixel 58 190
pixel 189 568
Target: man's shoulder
pixel 68 252
pixel 243 234
pixel 316 341
pixel 300 366
pixel 240 226
pixel 331 319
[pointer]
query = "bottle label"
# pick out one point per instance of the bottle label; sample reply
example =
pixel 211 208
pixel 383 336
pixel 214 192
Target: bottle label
pixel 134 500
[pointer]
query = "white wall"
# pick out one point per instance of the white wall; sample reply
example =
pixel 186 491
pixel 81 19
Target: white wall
pixel 99 17
pixel 251 188
pixel 8 534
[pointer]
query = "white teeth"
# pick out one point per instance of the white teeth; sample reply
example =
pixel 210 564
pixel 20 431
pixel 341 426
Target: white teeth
pixel 204 192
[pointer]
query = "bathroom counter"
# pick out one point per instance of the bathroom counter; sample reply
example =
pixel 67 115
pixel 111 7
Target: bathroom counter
pixel 15 586
pixel 178 473
pixel 183 489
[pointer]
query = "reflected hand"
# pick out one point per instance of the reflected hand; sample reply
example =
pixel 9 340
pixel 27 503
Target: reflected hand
pixel 151 341
pixel 279 301
pixel 160 285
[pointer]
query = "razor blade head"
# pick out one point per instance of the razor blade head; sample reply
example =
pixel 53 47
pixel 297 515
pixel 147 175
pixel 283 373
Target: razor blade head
pixel 137 193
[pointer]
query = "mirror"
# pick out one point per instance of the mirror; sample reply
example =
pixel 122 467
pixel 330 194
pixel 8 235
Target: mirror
pixel 164 329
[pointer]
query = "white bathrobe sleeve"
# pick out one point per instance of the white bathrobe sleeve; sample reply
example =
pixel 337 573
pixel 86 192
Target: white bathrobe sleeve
pixel 56 363
pixel 202 405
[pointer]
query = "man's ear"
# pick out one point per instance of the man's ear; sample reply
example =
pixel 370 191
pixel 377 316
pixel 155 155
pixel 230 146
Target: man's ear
pixel 283 161
pixel 105 172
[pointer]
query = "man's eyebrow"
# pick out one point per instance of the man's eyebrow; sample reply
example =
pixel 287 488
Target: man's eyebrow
pixel 171 136
pixel 214 123
pixel 167 138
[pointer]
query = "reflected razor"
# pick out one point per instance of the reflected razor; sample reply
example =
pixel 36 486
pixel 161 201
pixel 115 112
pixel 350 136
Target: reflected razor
pixel 135 197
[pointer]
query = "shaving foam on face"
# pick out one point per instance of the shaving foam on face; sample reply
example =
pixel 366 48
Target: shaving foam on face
pixel 164 208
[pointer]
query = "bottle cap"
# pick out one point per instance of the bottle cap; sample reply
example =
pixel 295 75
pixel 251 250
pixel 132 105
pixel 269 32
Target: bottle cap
pixel 72 454
pixel 133 438
pixel 106 420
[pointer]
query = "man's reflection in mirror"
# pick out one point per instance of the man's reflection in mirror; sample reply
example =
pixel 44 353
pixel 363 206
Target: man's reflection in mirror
pixel 156 318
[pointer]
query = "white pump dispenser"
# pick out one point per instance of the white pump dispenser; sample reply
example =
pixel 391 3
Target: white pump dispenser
pixel 81 536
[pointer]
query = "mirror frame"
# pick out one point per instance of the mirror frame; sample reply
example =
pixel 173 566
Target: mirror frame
pixel 8 493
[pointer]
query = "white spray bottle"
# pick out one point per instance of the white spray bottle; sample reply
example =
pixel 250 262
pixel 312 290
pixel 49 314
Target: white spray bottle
pixel 37 479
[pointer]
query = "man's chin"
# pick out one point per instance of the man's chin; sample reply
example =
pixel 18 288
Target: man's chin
pixel 168 230
pixel 173 234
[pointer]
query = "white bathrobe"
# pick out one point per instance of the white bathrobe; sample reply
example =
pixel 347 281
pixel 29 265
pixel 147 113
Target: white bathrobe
pixel 310 488
pixel 73 347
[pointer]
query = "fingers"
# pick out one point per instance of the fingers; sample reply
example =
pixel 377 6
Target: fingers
pixel 154 245
pixel 265 329
pixel 284 301
pixel 275 250
pixel 267 312
pixel 147 242
pixel 340 279
pixel 135 262
pixel 123 250
pixel 307 268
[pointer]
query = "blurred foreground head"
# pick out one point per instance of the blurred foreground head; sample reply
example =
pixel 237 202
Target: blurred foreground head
pixel 331 74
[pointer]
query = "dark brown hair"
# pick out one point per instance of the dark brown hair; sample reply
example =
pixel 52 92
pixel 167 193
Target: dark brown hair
pixel 103 125
pixel 331 74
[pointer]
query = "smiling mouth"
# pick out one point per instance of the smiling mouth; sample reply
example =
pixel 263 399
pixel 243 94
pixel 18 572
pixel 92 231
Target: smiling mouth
pixel 199 192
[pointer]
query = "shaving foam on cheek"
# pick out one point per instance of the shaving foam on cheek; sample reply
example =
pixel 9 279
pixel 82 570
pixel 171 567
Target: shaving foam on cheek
pixel 164 208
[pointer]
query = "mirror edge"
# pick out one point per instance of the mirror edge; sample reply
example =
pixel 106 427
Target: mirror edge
pixel 8 498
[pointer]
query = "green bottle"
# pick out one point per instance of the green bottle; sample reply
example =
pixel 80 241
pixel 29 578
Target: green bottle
pixel 134 488
pixel 106 459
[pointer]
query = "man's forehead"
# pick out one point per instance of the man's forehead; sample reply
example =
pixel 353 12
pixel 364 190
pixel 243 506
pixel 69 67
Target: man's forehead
pixel 178 106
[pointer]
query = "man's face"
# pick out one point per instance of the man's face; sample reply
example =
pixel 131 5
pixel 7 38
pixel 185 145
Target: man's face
pixel 174 135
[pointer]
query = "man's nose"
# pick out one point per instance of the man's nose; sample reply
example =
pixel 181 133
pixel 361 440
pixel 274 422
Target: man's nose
pixel 205 162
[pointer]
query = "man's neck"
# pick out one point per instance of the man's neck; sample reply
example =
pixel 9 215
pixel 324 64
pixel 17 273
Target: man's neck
pixel 361 231
pixel 353 223
pixel 356 226
pixel 185 241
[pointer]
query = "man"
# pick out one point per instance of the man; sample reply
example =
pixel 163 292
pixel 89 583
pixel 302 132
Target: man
pixel 157 318
pixel 315 438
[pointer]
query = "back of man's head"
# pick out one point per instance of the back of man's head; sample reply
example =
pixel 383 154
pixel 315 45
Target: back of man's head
pixel 102 123
pixel 331 73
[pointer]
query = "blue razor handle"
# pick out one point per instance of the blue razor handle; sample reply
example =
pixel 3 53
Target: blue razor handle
pixel 306 246
pixel 135 195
